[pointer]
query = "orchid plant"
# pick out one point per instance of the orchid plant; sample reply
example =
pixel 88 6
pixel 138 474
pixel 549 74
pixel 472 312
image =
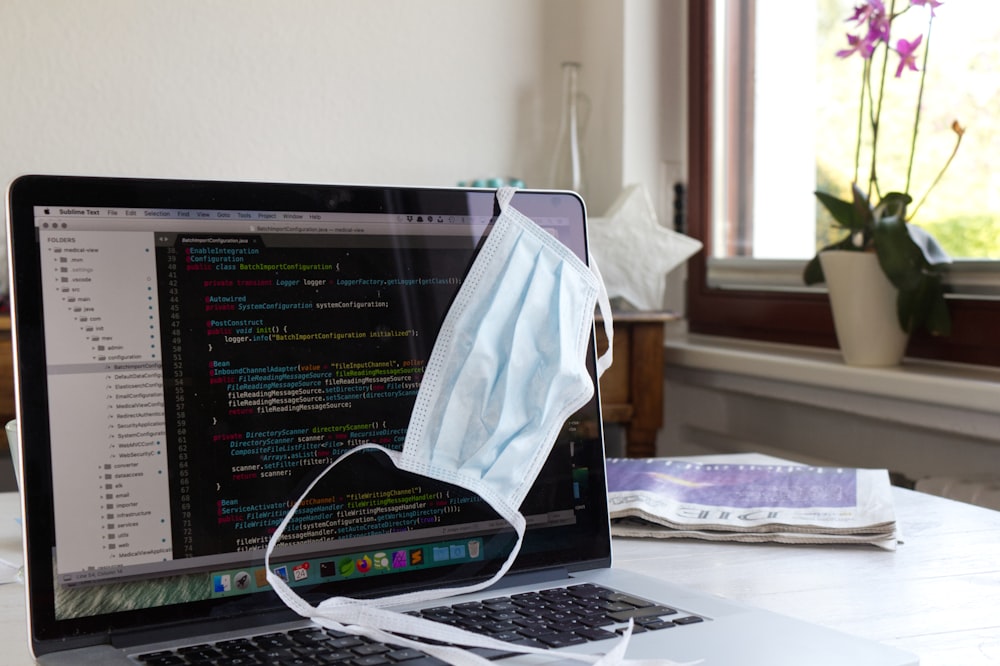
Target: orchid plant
pixel 880 222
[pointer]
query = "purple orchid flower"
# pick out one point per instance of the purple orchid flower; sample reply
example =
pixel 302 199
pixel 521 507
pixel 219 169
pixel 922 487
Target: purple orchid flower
pixel 864 13
pixel 854 44
pixel 907 57
pixel 872 14
pixel 878 27
pixel 933 4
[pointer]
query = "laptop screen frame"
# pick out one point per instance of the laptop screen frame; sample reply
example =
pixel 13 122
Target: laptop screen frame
pixel 27 326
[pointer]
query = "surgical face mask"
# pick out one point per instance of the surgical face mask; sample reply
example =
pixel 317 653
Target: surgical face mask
pixel 485 417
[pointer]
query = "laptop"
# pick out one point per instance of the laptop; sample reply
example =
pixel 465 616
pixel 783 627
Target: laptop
pixel 189 354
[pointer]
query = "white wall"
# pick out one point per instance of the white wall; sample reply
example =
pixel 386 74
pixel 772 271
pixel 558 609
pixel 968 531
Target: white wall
pixel 412 92
pixel 422 92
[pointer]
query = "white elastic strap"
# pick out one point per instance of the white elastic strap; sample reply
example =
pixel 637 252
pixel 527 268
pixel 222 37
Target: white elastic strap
pixel 359 617
pixel 369 617
pixel 604 303
pixel 300 606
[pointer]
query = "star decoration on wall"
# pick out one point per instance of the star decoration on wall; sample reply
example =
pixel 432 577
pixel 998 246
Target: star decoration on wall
pixel 634 252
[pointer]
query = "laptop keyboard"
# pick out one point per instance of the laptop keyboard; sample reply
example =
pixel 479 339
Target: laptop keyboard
pixel 560 616
pixel 557 617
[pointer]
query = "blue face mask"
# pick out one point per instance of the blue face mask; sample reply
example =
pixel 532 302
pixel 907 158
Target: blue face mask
pixel 486 419
pixel 508 366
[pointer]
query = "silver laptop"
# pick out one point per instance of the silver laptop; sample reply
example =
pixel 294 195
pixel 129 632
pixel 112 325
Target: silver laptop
pixel 190 354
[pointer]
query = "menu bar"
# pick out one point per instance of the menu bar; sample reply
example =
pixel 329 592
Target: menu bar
pixel 85 212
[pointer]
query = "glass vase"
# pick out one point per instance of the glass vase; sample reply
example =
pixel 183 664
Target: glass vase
pixel 567 171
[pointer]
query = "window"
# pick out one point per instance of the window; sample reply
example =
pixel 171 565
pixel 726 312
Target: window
pixel 732 291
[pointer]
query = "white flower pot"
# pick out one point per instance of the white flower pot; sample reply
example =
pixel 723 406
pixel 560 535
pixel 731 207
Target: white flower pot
pixel 864 308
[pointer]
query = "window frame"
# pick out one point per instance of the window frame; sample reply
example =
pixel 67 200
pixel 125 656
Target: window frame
pixel 779 316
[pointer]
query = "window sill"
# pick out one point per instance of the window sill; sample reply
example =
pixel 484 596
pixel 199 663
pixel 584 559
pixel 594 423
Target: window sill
pixel 753 367
pixel 965 278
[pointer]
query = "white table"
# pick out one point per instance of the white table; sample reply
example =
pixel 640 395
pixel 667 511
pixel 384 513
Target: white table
pixel 938 595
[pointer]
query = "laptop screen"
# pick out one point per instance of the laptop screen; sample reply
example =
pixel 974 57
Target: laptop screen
pixel 191 354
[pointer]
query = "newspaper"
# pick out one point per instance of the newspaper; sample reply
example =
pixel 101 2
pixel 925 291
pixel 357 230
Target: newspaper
pixel 660 497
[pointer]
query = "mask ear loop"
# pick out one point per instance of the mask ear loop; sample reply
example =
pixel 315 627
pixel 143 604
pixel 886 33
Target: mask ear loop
pixel 604 304
pixel 366 618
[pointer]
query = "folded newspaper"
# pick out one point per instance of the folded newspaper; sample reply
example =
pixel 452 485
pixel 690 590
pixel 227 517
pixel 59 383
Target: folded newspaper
pixel 660 497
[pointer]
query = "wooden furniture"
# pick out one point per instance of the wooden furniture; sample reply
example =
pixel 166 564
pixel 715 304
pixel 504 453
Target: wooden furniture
pixel 632 388
pixel 937 595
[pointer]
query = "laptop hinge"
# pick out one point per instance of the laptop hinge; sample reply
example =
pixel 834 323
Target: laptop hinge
pixel 181 631
pixel 125 638
pixel 550 575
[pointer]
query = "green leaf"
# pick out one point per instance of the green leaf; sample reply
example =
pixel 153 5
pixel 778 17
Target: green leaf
pixel 813 273
pixel 900 258
pixel 938 320
pixel 924 306
pixel 842 211
pixel 894 203
pixel 907 306
pixel 863 217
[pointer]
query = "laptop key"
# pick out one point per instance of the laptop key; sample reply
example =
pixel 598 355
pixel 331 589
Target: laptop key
pixel 503 615
pixel 636 629
pixel 659 624
pixel 623 616
pixel 493 627
pixel 242 660
pixel 630 600
pixel 316 652
pixel 273 655
pixel 535 632
pixel 161 659
pixel 313 636
pixel 690 619
pixel 485 653
pixel 404 654
pixel 559 627
pixel 596 633
pixel 586 590
pixel 555 616
pixel 236 646
pixel 204 654
pixel 564 639
pixel 273 641
pixel 477 611
pixel 425 661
